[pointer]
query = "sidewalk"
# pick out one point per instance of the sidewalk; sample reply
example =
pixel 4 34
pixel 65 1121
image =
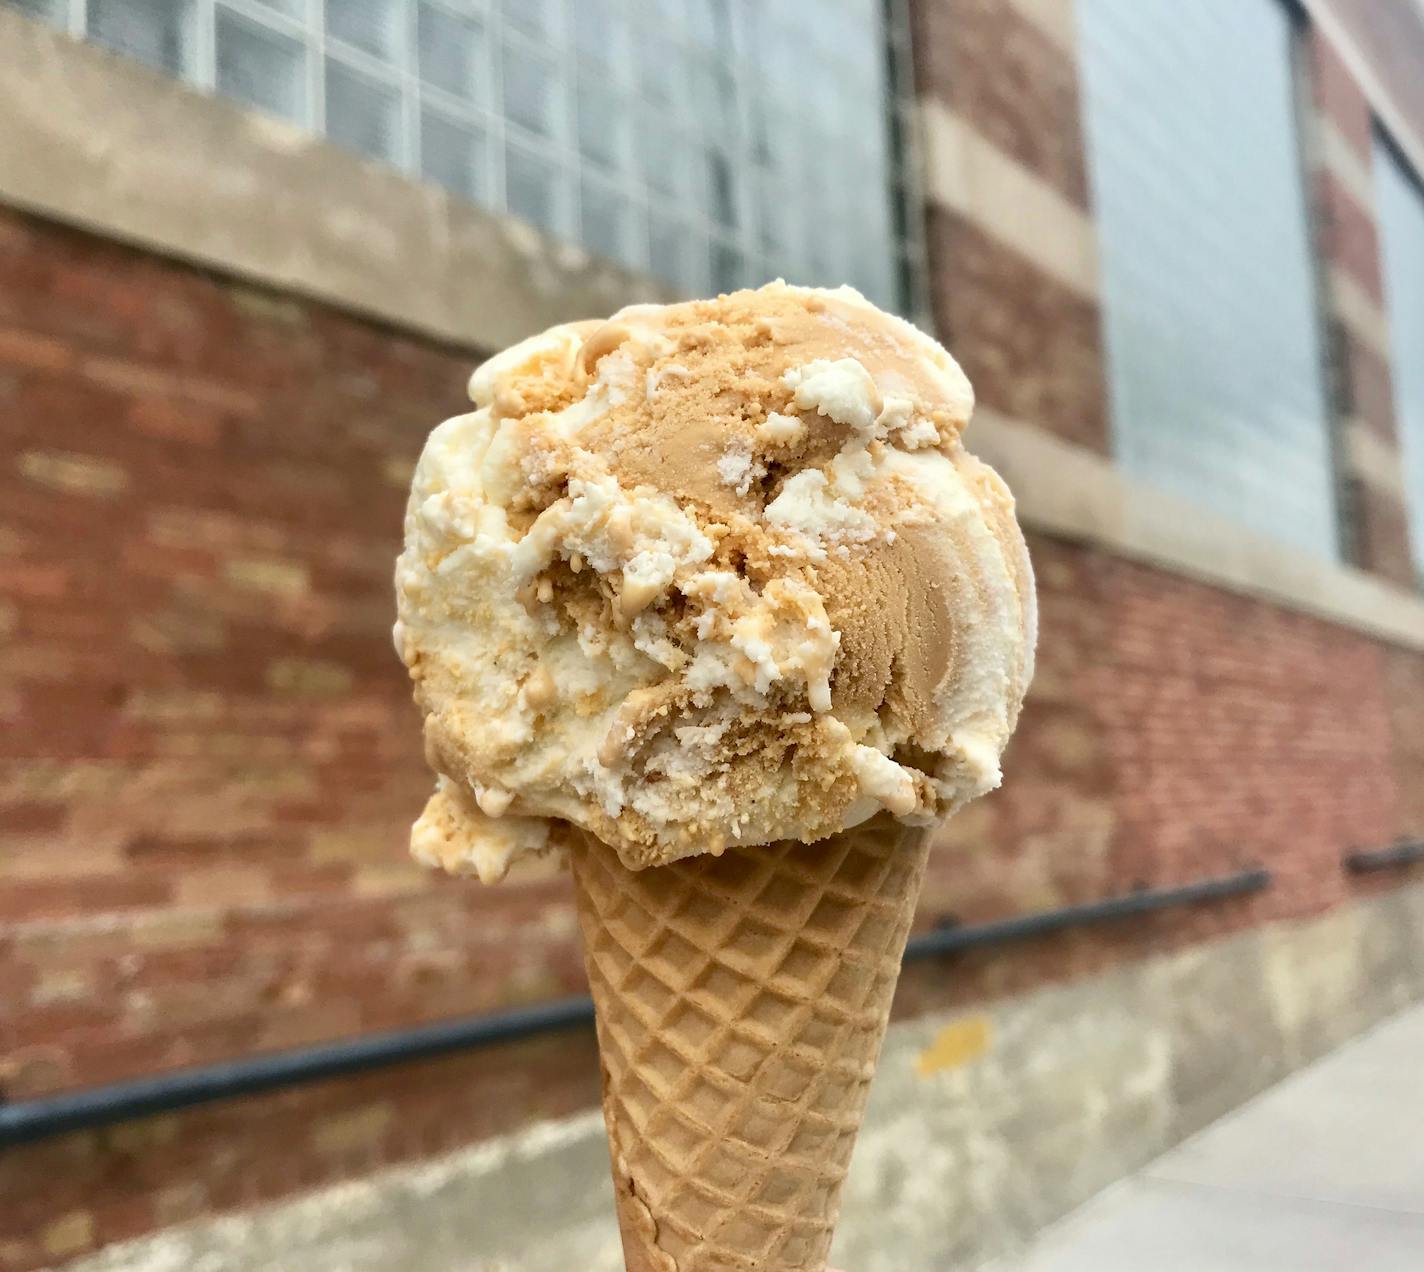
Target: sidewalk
pixel 1323 1173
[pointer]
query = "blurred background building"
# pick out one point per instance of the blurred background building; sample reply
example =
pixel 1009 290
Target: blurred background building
pixel 249 251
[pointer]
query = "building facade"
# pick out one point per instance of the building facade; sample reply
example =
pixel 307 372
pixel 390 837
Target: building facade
pixel 248 255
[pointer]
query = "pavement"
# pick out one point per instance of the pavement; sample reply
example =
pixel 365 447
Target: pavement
pixel 1322 1173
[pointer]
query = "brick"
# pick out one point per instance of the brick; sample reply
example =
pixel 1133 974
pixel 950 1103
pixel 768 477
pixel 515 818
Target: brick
pixel 1367 387
pixel 33 579
pixel 31 1070
pixel 1382 535
pixel 354 1130
pixel 397 471
pixel 309 677
pixel 33 352
pixel 180 1202
pixel 135 379
pixel 73 474
pixel 224 758
pixel 178 631
pixel 222 886
pixel 1348 235
pixel 267 574
pixel 168 421
pixel 69 1234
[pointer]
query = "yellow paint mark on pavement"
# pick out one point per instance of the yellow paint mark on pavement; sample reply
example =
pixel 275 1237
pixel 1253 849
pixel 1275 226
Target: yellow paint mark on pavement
pixel 956 1045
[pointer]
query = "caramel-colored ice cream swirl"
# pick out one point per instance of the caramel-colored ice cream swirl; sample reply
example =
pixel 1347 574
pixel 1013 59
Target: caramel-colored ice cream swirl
pixel 709 574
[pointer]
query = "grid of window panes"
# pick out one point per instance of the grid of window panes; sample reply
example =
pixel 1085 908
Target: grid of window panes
pixel 711 143
pixel 1401 215
pixel 1209 296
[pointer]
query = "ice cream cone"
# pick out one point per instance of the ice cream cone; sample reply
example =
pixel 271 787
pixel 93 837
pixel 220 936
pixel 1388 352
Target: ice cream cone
pixel 742 1000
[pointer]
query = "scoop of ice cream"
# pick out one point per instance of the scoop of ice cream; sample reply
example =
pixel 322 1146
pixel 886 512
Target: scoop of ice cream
pixel 709 574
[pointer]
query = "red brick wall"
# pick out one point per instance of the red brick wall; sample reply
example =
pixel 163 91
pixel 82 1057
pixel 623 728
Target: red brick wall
pixel 209 760
pixel 208 757
pixel 1175 732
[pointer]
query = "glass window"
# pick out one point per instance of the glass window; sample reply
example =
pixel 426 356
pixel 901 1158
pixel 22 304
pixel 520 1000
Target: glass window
pixel 158 32
pixel 1401 218
pixel 362 113
pixel 372 26
pixel 1208 289
pixel 451 52
pixel 533 188
pixel 452 154
pixel 531 88
pixel 609 224
pixel 711 142
pixel 261 67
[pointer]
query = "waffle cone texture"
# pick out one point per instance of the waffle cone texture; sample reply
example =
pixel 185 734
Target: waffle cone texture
pixel 742 1001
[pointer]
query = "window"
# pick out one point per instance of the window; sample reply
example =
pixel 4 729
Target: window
pixel 709 142
pixel 1208 286
pixel 1401 217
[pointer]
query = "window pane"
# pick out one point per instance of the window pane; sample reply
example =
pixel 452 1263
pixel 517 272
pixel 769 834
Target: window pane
pixel 664 157
pixel 536 17
pixel 729 268
pixel 451 52
pixel 601 34
pixel 361 113
pixel 608 224
pixel 667 248
pixel 154 31
pixel 452 155
pixel 371 25
pixel 531 188
pixel 685 136
pixel 530 91
pixel 602 125
pixel 260 67
pixel 1214 349
pixel 722 193
pixel 661 76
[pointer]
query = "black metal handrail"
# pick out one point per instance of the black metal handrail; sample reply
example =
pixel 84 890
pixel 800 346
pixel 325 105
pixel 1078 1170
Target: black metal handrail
pixel 68 1111
pixel 1407 852
pixel 953 938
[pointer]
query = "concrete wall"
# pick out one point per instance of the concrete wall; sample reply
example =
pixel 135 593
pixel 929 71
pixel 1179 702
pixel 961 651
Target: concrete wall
pixel 984 1125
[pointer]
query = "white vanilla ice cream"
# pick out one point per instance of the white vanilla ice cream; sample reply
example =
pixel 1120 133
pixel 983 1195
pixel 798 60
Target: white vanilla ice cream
pixel 709 574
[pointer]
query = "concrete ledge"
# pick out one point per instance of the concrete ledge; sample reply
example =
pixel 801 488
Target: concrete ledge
pixel 1069 492
pixel 101 142
pixel 983 1127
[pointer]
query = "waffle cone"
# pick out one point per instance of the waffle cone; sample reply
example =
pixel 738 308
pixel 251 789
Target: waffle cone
pixel 742 1001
